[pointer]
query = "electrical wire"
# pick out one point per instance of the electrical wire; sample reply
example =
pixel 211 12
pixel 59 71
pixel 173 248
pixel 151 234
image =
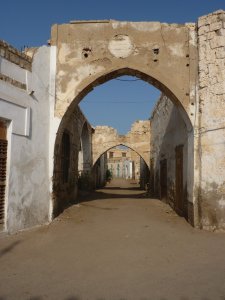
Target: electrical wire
pixel 127 80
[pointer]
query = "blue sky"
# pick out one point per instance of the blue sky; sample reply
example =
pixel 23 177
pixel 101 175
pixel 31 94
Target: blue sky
pixel 28 23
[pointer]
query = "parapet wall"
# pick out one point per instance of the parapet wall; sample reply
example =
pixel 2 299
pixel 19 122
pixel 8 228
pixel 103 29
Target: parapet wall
pixel 15 56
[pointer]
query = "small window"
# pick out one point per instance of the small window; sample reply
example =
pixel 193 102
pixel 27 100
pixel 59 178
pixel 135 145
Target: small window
pixel 110 154
pixel 124 154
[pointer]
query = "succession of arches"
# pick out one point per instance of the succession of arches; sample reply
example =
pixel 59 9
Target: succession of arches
pixel 157 63
pixel 137 139
pixel 186 62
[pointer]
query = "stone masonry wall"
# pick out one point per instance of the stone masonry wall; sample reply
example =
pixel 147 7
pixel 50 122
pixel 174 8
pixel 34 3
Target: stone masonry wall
pixel 15 56
pixel 211 40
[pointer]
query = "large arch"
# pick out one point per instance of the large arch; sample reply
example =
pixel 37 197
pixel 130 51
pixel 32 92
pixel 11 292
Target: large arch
pixel 168 62
pixel 125 140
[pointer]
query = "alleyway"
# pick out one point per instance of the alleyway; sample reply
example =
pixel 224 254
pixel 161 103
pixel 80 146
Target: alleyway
pixel 117 244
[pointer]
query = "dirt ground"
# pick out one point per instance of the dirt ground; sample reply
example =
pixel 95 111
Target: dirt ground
pixel 119 245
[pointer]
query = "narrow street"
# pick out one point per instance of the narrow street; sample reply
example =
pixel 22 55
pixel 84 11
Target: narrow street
pixel 116 244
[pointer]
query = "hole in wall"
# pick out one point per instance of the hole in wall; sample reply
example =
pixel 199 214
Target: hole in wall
pixel 156 51
pixel 86 51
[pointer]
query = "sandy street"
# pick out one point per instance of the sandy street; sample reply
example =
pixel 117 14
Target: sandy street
pixel 117 244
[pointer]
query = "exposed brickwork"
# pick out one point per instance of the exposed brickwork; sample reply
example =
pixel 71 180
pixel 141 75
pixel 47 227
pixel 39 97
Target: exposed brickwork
pixel 15 56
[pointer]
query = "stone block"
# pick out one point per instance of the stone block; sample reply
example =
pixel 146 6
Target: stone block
pixel 203 81
pixel 215 26
pixel 220 52
pixel 213 70
pixel 202 21
pixel 218 88
pixel 221 16
pixel 210 56
pixel 211 35
pixel 214 17
pixel 203 67
pixel 204 29
pixel 202 38
pixel 221 32
pixel 217 41
pixel 202 53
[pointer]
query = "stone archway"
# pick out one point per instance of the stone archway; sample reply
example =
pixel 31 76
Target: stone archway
pixel 160 54
pixel 137 139
pixel 90 53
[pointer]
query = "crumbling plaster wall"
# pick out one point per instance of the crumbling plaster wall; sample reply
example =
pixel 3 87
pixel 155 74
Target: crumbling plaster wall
pixel 92 52
pixel 27 114
pixel 211 135
pixel 137 139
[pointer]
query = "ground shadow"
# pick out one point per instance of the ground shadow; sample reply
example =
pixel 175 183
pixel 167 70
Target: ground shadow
pixel 123 188
pixel 103 298
pixel 9 249
pixel 101 195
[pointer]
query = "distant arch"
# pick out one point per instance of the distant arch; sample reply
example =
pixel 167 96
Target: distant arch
pixel 117 145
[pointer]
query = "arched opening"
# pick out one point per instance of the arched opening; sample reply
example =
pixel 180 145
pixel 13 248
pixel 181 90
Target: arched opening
pixel 85 181
pixel 155 169
pixel 65 157
pixel 121 162
pixel 84 160
pixel 86 86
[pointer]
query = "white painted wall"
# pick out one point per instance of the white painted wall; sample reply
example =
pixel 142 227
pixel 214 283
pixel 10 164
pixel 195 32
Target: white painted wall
pixel 27 202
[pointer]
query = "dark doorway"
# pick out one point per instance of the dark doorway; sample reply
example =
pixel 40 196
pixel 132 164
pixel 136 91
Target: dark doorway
pixel 179 205
pixel 3 164
pixel 163 179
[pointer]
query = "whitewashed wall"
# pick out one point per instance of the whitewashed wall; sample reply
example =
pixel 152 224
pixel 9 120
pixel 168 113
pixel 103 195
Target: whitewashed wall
pixel 27 112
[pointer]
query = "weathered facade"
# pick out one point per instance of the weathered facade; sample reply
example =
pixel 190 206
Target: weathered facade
pixel 169 157
pixel 26 115
pixel 211 121
pixel 39 95
pixel 72 155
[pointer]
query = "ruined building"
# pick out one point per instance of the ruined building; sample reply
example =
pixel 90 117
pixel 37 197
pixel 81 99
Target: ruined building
pixel 46 142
